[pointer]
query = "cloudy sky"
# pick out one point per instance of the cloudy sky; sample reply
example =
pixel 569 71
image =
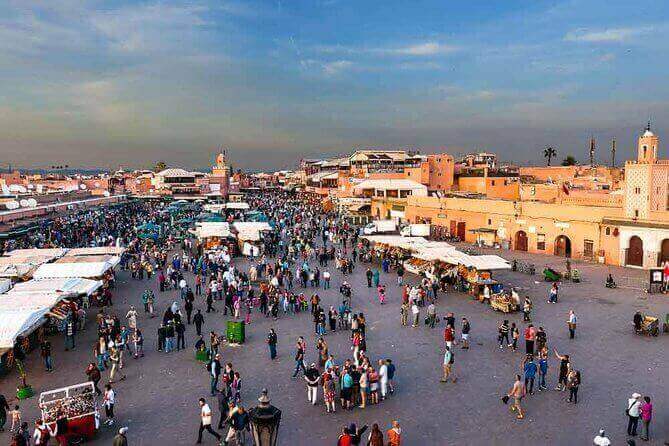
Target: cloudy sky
pixel 109 83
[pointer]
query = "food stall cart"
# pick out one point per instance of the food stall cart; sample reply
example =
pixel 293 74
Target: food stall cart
pixel 503 302
pixel 79 404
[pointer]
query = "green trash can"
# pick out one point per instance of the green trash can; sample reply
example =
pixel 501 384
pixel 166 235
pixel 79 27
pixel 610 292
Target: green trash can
pixel 236 333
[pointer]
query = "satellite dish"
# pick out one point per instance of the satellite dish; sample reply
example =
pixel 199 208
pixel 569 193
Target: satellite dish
pixel 13 204
pixel 96 184
pixel 82 186
pixel 107 194
pixel 32 202
pixel 23 203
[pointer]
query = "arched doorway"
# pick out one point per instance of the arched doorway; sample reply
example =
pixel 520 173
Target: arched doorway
pixel 521 241
pixel 664 251
pixel 562 246
pixel 634 255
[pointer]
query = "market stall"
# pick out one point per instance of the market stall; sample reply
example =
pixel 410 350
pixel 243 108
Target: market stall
pixel 87 270
pixel 75 286
pixel 79 404
pixel 93 258
pixel 16 322
pixel 97 250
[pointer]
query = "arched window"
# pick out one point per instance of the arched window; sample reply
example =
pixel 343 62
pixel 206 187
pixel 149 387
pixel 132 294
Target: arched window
pixel 608 231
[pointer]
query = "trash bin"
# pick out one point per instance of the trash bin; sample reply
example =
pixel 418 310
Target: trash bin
pixel 236 333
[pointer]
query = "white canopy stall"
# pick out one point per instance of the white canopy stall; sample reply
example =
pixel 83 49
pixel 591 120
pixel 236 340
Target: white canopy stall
pixel 96 250
pixel 92 270
pixel 75 286
pixel 17 322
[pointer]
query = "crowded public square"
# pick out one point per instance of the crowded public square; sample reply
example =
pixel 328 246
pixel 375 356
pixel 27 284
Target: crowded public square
pixel 329 327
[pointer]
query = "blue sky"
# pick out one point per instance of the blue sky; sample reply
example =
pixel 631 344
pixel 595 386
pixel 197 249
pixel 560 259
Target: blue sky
pixel 102 84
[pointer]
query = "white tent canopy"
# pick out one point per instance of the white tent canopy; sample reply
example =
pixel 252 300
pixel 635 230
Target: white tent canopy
pixel 250 230
pixel 14 323
pixel 17 270
pixel 69 286
pixel 32 252
pixel 237 205
pixel 211 229
pixel 29 301
pixel 64 270
pixel 97 250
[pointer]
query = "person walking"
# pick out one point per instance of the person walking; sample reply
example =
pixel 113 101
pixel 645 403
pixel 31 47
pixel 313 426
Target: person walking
pixel 646 410
pixel 312 377
pixel 369 275
pixel 198 320
pixel 517 393
pixel 571 324
pixel 214 368
pixel 543 371
pixel 530 371
pixel 394 434
pixel 601 439
pixel 205 421
pixel 416 314
pixel 404 313
pixel 449 359
pixel 299 357
pixel 503 334
pixel 565 366
pixel 527 309
pixel 94 376
pixel 109 400
pixel 633 412
pixel 120 438
pixel 530 336
pixel 45 352
pixel 466 328
pixel 272 340
pixel 573 382
pixel 375 436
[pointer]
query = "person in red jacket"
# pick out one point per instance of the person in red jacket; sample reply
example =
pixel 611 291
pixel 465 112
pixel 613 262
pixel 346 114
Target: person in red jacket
pixel 449 336
pixel 345 439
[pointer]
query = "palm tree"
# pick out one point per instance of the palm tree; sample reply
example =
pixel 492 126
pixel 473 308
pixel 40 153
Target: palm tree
pixel 160 165
pixel 549 153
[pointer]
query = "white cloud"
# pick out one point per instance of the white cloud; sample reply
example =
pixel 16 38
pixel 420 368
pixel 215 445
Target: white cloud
pixel 148 27
pixel 336 67
pixel 609 35
pixel 100 101
pixel 423 49
pixel 331 68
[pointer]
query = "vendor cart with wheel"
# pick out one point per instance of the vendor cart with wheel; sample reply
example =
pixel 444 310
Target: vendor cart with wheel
pixel 550 275
pixel 79 404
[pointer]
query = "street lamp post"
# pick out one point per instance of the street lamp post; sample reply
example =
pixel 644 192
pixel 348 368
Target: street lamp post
pixel 265 420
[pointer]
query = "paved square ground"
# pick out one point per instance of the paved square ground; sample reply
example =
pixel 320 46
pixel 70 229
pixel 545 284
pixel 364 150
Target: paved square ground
pixel 158 400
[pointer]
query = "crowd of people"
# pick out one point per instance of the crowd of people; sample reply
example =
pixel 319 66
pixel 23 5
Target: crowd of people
pixel 185 284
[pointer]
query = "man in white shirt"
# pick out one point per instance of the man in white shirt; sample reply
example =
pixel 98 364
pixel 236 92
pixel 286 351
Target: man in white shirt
pixel 205 421
pixel 571 323
pixel 383 378
pixel 416 314
pixel 601 439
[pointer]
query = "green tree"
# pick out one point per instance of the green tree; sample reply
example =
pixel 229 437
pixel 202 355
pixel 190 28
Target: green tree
pixel 160 165
pixel 549 154
pixel 569 161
